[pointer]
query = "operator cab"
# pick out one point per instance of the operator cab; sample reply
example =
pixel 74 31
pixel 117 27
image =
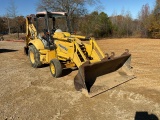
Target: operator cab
pixel 49 19
pixel 49 22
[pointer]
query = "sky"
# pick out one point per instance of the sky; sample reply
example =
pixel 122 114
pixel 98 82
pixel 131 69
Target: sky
pixel 26 7
pixel 117 6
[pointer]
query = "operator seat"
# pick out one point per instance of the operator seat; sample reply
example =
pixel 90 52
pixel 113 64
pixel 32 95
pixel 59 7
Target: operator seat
pixel 41 36
pixel 58 30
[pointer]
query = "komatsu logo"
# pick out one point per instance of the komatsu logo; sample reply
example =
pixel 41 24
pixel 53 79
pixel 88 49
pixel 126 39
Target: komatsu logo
pixel 63 47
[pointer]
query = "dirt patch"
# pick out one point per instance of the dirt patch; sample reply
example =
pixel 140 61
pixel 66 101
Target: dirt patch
pixel 15 37
pixel 29 93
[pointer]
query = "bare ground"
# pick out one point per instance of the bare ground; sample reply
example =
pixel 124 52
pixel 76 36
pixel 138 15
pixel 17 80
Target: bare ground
pixel 27 93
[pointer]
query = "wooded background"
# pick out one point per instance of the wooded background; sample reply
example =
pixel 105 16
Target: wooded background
pixel 97 24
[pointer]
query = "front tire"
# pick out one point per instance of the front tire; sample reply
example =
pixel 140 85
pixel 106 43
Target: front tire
pixel 55 68
pixel 34 57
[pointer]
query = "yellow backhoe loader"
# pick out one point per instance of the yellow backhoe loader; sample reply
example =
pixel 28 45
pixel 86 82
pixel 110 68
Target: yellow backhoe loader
pixel 96 72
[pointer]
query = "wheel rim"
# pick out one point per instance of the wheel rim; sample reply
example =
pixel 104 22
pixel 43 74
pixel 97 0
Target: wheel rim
pixel 52 68
pixel 32 57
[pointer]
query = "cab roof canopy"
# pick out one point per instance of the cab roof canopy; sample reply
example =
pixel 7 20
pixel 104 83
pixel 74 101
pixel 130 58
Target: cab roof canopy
pixel 51 14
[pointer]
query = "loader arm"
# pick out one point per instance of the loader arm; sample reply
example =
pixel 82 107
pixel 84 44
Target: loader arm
pixel 98 73
pixel 86 52
pixel 95 46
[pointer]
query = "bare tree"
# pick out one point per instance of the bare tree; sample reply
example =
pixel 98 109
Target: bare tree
pixel 157 7
pixel 144 19
pixel 12 13
pixel 128 21
pixel 3 26
pixel 154 28
pixel 8 23
pixel 74 8
pixel 12 9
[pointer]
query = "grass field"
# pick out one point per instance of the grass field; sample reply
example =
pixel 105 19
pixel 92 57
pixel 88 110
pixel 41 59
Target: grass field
pixel 27 93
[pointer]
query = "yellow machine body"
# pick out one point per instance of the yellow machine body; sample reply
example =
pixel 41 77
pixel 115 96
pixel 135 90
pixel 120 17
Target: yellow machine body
pixel 70 51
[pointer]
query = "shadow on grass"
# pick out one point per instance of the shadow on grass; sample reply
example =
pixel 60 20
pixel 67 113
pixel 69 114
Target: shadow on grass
pixel 145 116
pixel 7 50
pixel 65 72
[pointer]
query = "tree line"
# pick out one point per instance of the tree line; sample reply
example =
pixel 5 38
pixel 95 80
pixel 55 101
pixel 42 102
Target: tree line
pixel 12 25
pixel 97 24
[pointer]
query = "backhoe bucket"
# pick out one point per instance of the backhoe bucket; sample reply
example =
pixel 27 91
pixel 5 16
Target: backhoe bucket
pixel 99 77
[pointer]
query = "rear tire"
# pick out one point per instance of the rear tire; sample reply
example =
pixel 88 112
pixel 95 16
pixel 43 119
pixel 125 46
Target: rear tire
pixel 34 57
pixel 55 68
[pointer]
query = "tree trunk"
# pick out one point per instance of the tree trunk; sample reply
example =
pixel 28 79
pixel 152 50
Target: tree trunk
pixel 9 28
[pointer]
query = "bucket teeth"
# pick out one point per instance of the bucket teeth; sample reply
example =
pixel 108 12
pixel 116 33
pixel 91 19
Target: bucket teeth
pixel 112 55
pixel 126 52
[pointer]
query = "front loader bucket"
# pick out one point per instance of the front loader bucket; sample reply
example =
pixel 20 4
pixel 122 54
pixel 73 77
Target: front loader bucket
pixel 99 77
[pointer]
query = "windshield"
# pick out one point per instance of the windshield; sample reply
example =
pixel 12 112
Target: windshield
pixel 53 24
